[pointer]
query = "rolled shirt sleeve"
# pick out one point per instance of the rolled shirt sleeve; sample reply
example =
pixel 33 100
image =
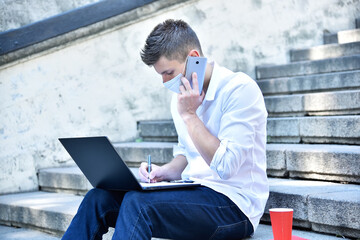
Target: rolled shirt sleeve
pixel 179 149
pixel 237 130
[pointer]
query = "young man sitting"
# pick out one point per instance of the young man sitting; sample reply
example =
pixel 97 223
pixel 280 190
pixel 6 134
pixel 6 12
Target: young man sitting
pixel 222 140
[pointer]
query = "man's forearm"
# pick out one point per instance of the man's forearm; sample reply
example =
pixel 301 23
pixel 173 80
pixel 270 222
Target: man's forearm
pixel 204 141
pixel 174 168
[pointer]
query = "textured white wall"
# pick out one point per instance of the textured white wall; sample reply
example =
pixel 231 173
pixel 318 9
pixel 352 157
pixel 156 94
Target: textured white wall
pixel 99 86
pixel 17 13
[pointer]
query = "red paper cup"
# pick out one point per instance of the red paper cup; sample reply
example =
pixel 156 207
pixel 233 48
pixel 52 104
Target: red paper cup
pixel 281 223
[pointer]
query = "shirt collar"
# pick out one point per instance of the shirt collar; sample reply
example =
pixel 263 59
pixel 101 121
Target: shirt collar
pixel 218 73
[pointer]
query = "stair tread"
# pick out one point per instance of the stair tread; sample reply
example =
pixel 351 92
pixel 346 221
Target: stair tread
pixel 49 211
pixel 145 144
pixel 314 129
pixel 325 51
pixel 340 64
pixel 8 233
pixel 43 201
pixel 324 103
pixel 310 83
pixel 263 232
pixel 330 148
pixel 308 187
pixel 346 36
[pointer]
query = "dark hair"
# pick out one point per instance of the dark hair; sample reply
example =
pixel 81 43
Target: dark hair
pixel 172 39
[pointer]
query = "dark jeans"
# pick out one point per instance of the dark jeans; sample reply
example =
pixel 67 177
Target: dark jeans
pixel 192 213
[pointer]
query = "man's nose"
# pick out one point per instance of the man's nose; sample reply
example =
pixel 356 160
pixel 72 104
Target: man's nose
pixel 166 78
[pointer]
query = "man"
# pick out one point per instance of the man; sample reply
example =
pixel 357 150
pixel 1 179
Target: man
pixel 222 138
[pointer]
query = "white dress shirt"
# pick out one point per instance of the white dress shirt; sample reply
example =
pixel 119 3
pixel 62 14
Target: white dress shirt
pixel 234 111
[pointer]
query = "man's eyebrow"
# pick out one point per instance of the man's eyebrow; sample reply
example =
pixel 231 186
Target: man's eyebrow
pixel 166 71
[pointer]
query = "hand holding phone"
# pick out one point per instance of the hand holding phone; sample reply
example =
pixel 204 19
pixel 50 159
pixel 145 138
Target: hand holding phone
pixel 198 65
pixel 193 64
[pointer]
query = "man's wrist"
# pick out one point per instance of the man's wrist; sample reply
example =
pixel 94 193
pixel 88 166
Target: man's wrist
pixel 190 118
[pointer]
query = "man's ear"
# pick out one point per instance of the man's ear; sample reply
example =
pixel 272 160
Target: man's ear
pixel 194 53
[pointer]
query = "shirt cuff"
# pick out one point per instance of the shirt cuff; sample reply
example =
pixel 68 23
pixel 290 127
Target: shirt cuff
pixel 177 150
pixel 215 164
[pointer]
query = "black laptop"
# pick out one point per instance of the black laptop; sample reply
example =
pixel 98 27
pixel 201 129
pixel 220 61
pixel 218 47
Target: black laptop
pixel 104 168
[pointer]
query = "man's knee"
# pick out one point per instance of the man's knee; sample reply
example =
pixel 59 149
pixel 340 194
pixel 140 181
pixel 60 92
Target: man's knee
pixel 135 200
pixel 98 197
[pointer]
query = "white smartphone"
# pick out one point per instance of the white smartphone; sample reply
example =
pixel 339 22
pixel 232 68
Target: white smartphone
pixel 198 65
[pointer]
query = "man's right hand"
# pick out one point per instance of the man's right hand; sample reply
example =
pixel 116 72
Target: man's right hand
pixel 155 174
pixel 168 172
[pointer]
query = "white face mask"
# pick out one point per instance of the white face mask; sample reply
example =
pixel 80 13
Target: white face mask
pixel 174 84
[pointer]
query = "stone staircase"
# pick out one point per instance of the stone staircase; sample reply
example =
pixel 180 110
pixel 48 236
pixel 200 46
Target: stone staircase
pixel 314 134
pixel 313 150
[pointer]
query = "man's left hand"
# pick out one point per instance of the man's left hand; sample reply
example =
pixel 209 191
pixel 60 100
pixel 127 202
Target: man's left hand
pixel 189 98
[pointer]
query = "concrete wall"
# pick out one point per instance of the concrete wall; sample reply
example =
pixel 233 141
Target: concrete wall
pixel 99 86
pixel 17 13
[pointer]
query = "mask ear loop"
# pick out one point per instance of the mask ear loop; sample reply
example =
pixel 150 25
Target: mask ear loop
pixel 184 72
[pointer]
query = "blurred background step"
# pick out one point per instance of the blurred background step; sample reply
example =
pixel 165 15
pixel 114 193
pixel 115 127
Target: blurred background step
pixel 325 129
pixel 63 179
pixel 52 212
pixel 157 131
pixel 320 206
pixel 325 103
pixel 311 83
pixel 325 51
pixel 133 153
pixel 348 63
pixel 69 180
pixel 48 212
pixel 347 36
pixel 15 233
pixel 324 162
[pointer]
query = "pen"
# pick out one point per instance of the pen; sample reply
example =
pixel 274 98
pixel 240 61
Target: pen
pixel 149 166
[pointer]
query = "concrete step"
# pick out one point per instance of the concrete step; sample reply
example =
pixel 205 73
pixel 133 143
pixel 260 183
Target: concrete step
pixel 319 129
pixel 317 205
pixel 343 37
pixel 263 232
pixel 63 179
pixel 324 103
pixel 158 131
pixel 326 129
pixel 320 206
pixel 348 63
pixel 68 180
pixel 12 233
pixel 308 161
pixel 312 83
pixel 71 180
pixel 135 153
pixel 325 51
pixel 49 212
pixel 324 162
